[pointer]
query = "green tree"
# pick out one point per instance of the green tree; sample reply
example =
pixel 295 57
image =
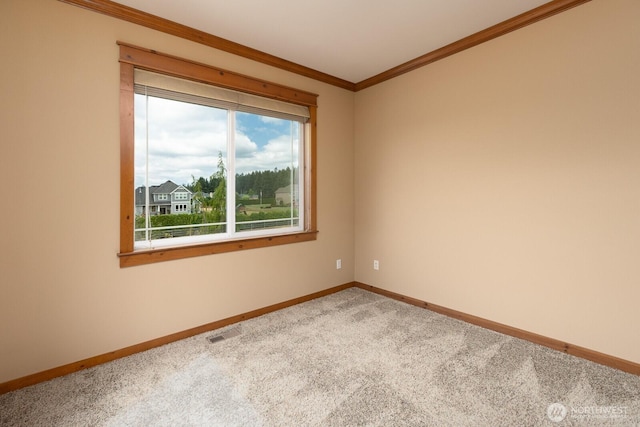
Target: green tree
pixel 199 201
pixel 219 199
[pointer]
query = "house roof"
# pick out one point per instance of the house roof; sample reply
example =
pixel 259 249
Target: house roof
pixel 164 188
pixel 168 187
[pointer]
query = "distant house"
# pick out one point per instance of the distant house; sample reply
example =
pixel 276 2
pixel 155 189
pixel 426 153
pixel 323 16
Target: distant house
pixel 164 199
pixel 283 195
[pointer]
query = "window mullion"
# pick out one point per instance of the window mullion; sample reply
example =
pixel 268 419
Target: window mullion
pixel 147 208
pixel 231 173
pixel 291 174
pixel 301 175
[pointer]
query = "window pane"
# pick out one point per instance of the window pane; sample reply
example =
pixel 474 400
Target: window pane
pixel 180 157
pixel 267 186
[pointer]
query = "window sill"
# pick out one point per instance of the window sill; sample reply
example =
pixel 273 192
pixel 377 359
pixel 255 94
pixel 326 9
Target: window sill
pixel 130 259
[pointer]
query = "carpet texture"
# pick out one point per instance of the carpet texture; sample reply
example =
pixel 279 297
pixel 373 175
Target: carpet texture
pixel 353 358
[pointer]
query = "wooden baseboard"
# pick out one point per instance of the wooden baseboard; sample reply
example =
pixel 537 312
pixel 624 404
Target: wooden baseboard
pixel 584 353
pixel 137 348
pixel 574 350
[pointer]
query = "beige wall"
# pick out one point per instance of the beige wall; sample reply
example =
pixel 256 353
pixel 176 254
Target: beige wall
pixel 504 181
pixel 62 295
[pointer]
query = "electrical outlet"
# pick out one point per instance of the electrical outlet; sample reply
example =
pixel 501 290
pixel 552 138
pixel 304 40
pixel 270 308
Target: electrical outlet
pixel 376 264
pixel 338 264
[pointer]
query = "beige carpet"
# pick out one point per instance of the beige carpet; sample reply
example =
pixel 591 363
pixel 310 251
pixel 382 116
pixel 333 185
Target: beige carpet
pixel 349 359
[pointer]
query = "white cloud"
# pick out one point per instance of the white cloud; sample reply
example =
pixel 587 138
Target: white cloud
pixel 185 139
pixel 244 146
pixel 277 153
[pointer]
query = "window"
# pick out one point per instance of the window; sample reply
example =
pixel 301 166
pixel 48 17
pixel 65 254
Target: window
pixel 201 136
pixel 239 151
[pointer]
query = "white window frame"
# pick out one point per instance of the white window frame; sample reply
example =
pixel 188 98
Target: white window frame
pixel 166 87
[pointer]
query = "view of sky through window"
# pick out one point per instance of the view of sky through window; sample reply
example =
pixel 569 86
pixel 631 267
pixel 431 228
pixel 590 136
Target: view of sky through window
pixel 184 141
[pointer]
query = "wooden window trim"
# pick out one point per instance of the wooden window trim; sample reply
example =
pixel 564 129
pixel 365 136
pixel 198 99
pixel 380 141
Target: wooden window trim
pixel 132 57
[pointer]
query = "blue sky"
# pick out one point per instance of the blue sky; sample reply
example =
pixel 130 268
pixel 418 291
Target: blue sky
pixel 185 139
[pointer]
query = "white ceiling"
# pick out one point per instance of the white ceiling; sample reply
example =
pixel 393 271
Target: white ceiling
pixel 349 39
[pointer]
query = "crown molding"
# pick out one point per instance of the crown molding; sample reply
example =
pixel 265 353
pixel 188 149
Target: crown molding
pixel 125 13
pixel 116 10
pixel 527 18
